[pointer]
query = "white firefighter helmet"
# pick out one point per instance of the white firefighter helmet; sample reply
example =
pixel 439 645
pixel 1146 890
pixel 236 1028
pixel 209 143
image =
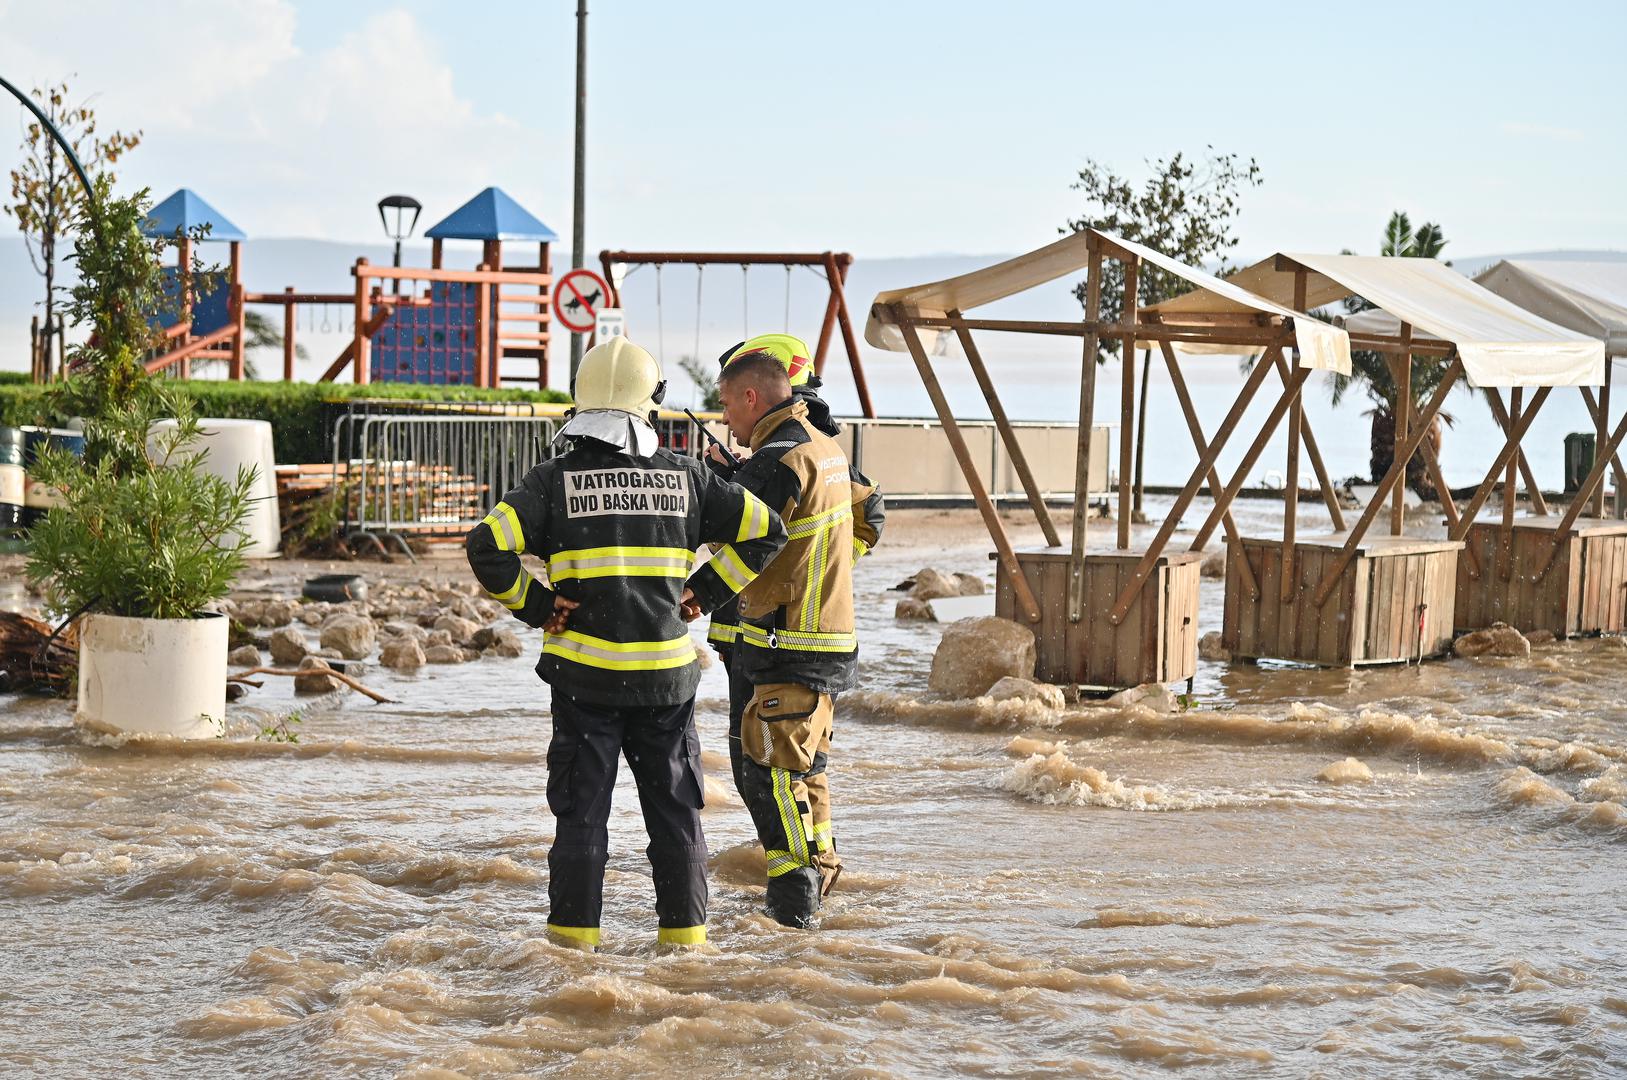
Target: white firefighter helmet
pixel 618 386
pixel 619 375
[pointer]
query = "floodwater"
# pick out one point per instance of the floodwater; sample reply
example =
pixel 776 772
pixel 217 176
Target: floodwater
pixel 1100 892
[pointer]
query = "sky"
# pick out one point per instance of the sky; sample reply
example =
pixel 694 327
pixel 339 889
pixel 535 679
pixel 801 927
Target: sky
pixel 886 129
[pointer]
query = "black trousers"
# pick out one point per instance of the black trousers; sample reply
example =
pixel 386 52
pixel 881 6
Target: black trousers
pixel 664 751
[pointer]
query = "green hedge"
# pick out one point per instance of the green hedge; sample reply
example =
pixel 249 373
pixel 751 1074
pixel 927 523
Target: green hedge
pixel 297 411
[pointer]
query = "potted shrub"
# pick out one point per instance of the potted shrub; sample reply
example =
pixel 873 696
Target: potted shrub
pixel 143 540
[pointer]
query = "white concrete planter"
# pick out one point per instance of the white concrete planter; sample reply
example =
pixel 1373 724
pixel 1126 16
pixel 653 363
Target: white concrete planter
pixel 153 676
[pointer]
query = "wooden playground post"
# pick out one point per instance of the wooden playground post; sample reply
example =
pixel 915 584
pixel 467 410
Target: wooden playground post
pixel 1019 460
pixel 238 313
pixel 1087 419
pixel 483 306
pixel 184 277
pixel 837 277
pixel 289 320
pixel 963 455
pixel 359 362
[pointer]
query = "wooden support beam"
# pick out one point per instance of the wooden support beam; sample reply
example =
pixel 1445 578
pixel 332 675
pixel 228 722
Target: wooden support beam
pixel 1599 432
pixel 1449 505
pixel 183 355
pixel 1206 462
pixel 1019 460
pixel 238 313
pixel 360 371
pixel 1087 420
pixel 1240 476
pixel 1510 445
pixel 963 454
pixel 1201 444
pixel 1402 373
pixel 837 272
pixel 1511 494
pixel 1127 401
pixel 1394 476
pixel 1601 417
pixel 1290 495
pixel 1595 477
pixel 1539 505
pixel 381 315
pixel 1330 494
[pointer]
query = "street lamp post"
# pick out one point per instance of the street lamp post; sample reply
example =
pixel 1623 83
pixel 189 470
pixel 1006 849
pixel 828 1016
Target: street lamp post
pixel 403 225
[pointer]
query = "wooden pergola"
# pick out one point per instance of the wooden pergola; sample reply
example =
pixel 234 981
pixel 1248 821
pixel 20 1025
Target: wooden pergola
pixel 1123 617
pixel 1358 598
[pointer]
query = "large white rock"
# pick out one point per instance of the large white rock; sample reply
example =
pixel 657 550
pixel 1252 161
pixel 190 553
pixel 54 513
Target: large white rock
pixel 402 654
pixel 931 583
pixel 1498 639
pixel 1013 688
pixel 287 646
pixel 977 653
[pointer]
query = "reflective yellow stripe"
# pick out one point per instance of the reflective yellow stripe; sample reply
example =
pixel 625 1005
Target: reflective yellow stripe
pixel 504 524
pixel 799 640
pixel 790 817
pixel 821 835
pixel 732 569
pixel 801 528
pixel 620 562
pixel 753 519
pixel 783 868
pixel 620 655
pixel 813 598
pixel 724 633
pixel 860 548
pixel 588 934
pixel 514 598
pixel 681 935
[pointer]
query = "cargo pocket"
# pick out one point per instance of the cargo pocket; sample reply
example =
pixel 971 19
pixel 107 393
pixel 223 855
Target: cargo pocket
pixel 784 726
pixel 562 779
pixel 689 783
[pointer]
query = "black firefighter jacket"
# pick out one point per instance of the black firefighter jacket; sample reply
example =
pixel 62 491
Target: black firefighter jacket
pixel 619 536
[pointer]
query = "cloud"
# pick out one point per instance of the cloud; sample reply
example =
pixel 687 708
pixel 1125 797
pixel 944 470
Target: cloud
pixel 1542 131
pixel 285 142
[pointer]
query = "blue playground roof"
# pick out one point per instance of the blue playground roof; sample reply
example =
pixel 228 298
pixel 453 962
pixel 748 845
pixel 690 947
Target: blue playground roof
pixel 491 215
pixel 185 210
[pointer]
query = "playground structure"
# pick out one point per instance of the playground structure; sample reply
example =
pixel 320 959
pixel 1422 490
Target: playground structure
pixel 1121 617
pixel 210 323
pixel 833 264
pixel 1355 598
pixel 431 325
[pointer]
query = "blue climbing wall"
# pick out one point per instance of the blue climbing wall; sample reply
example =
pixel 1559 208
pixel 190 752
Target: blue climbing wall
pixel 431 343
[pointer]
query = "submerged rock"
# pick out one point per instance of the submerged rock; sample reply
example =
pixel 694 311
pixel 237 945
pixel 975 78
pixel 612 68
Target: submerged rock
pixel 911 608
pixel 977 653
pixel 319 678
pixel 1154 696
pixel 243 656
pixel 443 654
pixel 287 646
pixel 352 635
pixel 1210 647
pixel 402 654
pixel 1349 771
pixel 459 628
pixel 1498 639
pixel 1011 687
pixel 932 583
pixel 1542 637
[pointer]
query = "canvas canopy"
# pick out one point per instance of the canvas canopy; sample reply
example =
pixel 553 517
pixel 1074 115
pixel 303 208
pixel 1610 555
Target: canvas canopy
pixel 1320 345
pixel 1588 297
pixel 1500 343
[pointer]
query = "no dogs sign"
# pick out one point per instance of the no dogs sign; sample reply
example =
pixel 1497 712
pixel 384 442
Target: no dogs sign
pixel 578 297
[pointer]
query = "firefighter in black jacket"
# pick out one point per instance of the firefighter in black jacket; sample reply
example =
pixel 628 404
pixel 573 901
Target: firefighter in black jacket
pixel 617 521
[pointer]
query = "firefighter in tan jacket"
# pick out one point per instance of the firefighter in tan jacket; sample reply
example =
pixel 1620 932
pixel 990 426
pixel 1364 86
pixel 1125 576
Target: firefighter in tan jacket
pixel 796 646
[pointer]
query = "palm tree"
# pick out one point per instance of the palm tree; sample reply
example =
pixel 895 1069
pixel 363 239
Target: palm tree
pixel 1372 371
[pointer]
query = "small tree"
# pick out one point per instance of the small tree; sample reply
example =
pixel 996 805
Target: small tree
pixel 1185 210
pixel 1372 372
pixel 44 189
pixel 141 529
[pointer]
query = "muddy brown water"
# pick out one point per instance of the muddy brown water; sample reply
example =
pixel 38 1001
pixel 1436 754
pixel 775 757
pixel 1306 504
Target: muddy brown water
pixel 1100 892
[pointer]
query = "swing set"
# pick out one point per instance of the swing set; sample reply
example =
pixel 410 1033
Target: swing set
pixel 833 265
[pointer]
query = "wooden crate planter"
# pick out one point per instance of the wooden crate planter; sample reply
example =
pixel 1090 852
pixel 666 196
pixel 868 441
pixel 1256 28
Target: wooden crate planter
pixel 1372 615
pixel 1156 643
pixel 1583 592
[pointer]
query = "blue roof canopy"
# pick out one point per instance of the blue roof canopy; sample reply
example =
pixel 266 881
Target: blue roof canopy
pixel 491 215
pixel 184 210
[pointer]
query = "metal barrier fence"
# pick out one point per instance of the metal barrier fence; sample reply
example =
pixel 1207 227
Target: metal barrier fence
pixel 430 476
